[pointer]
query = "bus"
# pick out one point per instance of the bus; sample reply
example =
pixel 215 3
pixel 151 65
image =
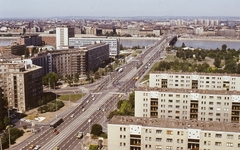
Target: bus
pixel 56 122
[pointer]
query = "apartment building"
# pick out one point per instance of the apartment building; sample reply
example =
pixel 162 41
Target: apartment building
pixel 113 43
pixel 72 61
pixel 142 133
pixel 62 37
pixel 204 81
pixel 22 84
pixel 205 105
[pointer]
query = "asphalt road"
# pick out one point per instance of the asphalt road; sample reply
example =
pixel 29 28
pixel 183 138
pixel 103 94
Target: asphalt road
pixel 104 95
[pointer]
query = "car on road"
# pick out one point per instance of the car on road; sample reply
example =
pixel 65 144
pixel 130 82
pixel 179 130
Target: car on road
pixel 37 147
pixel 98 109
pixel 56 148
pixel 56 132
pixel 83 109
pixel 80 135
pixel 72 115
pixel 32 146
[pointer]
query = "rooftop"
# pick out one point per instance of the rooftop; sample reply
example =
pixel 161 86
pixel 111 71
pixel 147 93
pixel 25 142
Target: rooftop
pixel 194 73
pixel 175 123
pixel 175 90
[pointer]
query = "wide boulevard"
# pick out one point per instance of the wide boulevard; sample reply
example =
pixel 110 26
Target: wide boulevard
pixel 100 100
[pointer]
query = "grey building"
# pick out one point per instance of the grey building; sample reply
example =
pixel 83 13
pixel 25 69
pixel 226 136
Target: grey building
pixel 72 61
pixel 113 43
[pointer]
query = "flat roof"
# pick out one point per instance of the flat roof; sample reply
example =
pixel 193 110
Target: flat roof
pixel 195 73
pixel 176 90
pixel 175 123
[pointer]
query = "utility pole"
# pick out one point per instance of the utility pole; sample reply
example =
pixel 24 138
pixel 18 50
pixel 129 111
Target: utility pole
pixel 9 138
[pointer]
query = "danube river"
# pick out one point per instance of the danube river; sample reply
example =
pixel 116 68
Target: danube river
pixel 208 44
pixel 136 42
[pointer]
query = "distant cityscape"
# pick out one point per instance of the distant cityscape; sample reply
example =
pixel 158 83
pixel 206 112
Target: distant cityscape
pixel 171 110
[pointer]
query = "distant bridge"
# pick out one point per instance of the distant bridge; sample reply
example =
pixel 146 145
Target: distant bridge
pixel 173 40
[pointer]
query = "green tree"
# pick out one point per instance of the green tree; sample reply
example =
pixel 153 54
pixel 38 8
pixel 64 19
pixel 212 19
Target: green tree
pixel 96 75
pixel 126 108
pixel 50 78
pixel 119 104
pixel 76 77
pixel 26 52
pixel 69 80
pixel 6 121
pixel 183 45
pixel 217 62
pixel 96 129
pixel 93 147
pixel 113 113
pixel 238 69
pixel 224 47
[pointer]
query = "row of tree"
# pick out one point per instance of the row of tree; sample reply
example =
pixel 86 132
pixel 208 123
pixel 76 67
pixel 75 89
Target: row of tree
pixel 124 107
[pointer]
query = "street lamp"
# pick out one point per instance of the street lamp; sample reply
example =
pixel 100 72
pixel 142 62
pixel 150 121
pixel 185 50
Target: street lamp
pixel 1 141
pixel 56 98
pixel 89 121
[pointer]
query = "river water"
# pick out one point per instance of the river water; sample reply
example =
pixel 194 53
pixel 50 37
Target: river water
pixel 208 44
pixel 136 42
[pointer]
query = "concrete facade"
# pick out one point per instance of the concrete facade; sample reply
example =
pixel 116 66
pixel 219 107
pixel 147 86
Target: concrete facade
pixel 204 105
pixel 72 61
pixel 204 81
pixel 113 43
pixel 62 37
pixel 141 133
pixel 22 85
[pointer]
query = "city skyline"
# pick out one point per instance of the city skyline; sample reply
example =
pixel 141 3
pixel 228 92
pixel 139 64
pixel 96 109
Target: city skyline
pixel 124 8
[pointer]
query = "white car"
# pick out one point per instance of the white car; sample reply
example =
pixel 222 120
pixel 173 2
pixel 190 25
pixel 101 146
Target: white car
pixel 37 147
pixel 72 115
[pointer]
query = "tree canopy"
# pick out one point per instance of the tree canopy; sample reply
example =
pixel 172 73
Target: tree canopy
pixel 50 78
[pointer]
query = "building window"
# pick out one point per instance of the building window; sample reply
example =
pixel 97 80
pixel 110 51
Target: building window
pixel 169 132
pixel 218 144
pixel 229 144
pixel 158 131
pixel 230 136
pixel 169 140
pixel 158 139
pixel 218 135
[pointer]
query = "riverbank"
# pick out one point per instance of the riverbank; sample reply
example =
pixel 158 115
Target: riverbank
pixel 219 38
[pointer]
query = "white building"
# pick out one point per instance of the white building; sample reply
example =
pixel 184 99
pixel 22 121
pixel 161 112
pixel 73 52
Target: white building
pixel 113 43
pixel 204 81
pixel 204 105
pixel 62 37
pixel 141 133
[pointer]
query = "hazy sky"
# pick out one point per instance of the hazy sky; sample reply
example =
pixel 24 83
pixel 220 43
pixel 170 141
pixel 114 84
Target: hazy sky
pixel 118 8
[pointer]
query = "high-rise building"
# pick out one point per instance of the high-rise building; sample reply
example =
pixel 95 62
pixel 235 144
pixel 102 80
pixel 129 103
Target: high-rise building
pixel 142 133
pixel 22 84
pixel 62 37
pixel 204 81
pixel 74 61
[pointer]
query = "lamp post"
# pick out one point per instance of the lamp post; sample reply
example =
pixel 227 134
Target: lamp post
pixel 1 141
pixel 56 99
pixel 9 138
pixel 89 121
